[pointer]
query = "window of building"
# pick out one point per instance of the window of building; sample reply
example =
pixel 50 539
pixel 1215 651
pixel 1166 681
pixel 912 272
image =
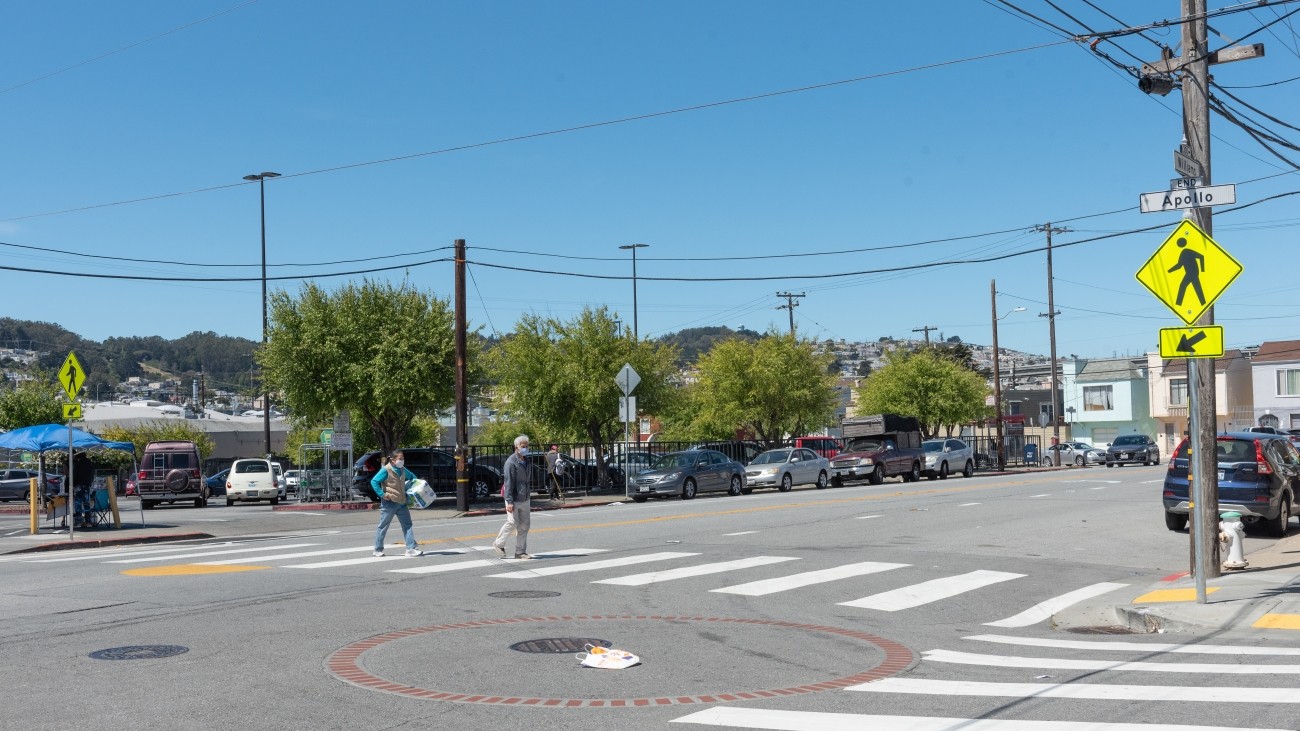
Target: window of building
pixel 1288 382
pixel 1178 392
pixel 1045 413
pixel 1098 398
pixel 1013 408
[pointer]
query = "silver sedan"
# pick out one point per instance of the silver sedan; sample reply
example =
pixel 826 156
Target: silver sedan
pixel 1074 453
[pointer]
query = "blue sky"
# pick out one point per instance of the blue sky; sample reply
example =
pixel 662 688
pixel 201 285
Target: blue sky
pixel 302 88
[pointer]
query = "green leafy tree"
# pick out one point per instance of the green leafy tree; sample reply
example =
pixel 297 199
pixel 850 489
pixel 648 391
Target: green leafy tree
pixel 559 376
pixel 385 353
pixel 928 385
pixel 157 431
pixel 773 387
pixel 38 401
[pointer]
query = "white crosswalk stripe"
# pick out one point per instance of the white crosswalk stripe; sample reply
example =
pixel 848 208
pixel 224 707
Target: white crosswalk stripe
pixel 1147 647
pixel 690 571
pixel 931 591
pixel 808 578
pixel 187 556
pixel 495 562
pixel 1078 691
pixel 768 718
pixel 1045 610
pixel 591 565
pixel 1008 661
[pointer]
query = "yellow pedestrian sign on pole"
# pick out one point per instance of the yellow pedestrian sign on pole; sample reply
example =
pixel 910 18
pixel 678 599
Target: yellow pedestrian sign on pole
pixel 71 376
pixel 72 411
pixel 1191 342
pixel 1188 272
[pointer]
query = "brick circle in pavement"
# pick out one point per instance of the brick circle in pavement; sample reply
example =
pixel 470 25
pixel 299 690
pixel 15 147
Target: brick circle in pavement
pixel 343 664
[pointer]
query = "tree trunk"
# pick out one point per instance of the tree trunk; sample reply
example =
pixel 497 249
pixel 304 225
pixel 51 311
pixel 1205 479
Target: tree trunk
pixel 598 441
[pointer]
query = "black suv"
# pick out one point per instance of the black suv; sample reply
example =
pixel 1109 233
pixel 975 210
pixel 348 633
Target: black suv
pixel 435 466
pixel 1132 449
pixel 737 450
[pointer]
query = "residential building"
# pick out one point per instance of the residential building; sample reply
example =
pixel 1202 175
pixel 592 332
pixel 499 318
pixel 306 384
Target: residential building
pixel 1275 376
pixel 1107 397
pixel 1233 394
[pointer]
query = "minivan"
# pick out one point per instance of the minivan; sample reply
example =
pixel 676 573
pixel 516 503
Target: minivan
pixel 170 471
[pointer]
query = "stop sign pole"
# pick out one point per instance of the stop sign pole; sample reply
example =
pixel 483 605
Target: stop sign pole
pixel 627 380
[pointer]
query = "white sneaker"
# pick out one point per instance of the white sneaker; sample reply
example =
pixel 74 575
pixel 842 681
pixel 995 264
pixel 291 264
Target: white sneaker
pixel 378 554
pixel 413 552
pixel 501 551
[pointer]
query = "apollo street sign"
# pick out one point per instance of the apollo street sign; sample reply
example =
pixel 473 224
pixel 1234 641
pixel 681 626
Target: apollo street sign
pixel 1173 200
pixel 627 379
pixel 1188 272
pixel 1191 342
pixel 72 411
pixel 71 376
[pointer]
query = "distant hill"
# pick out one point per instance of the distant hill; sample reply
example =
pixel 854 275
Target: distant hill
pixel 695 341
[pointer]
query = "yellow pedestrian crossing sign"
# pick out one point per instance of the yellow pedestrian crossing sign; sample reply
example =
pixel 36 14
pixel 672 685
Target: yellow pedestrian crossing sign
pixel 71 376
pixel 72 411
pixel 1188 272
pixel 1191 342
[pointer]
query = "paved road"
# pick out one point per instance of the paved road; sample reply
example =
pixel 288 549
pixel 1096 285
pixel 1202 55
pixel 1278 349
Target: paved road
pixel 842 608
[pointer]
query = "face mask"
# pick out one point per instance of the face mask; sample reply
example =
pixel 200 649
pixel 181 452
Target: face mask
pixel 523 451
pixel 399 463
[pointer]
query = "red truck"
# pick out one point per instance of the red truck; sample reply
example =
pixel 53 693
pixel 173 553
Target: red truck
pixel 826 447
pixel 879 446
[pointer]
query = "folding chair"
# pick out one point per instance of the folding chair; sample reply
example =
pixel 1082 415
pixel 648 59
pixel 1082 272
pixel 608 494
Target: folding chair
pixel 99 512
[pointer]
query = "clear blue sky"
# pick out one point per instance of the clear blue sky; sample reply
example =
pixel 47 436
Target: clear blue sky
pixel 1053 134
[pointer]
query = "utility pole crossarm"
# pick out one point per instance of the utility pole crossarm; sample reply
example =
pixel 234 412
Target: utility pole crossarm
pixel 790 304
pixel 925 329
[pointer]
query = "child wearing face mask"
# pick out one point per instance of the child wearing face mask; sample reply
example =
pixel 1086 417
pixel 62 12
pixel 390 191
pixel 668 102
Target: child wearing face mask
pixel 389 483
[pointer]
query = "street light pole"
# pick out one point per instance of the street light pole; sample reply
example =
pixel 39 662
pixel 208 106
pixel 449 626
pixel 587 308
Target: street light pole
pixel 636 335
pixel 997 375
pixel 266 391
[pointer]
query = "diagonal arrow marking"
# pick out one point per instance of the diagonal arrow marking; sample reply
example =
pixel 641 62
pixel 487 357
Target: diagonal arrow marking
pixel 1188 345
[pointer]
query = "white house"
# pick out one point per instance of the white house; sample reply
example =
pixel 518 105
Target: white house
pixel 1106 397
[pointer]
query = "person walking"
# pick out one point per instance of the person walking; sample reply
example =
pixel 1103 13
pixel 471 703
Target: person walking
pixel 517 489
pixel 389 483
pixel 552 477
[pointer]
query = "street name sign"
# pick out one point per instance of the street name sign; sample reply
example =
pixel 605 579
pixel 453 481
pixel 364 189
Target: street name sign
pixel 627 379
pixel 71 376
pixel 1185 164
pixel 72 411
pixel 1174 200
pixel 1191 342
pixel 1184 183
pixel 1188 272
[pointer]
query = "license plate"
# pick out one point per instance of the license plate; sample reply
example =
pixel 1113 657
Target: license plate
pixel 1220 474
pixel 1124 455
pixel 643 489
pixel 843 473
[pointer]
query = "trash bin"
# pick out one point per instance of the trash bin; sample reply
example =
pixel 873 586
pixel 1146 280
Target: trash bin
pixel 1031 454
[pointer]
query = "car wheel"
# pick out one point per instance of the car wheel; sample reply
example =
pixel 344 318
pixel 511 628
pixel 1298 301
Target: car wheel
pixel 786 483
pixel 915 474
pixel 688 490
pixel 1078 461
pixel 837 482
pixel 229 502
pixel 1277 526
pixel 735 486
pixel 877 475
pixel 943 471
pixel 1047 462
pixel 931 475
pixel 275 501
pixel 1175 521
pixel 821 480
pixel 27 495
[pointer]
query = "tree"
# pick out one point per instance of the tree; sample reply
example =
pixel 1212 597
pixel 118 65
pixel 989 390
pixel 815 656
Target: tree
pixel 927 385
pixel 864 367
pixel 560 375
pixel 385 353
pixel 38 401
pixel 773 387
pixel 157 431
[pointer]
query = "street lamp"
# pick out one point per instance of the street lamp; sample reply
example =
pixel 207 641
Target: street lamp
pixel 266 391
pixel 635 334
pixel 997 376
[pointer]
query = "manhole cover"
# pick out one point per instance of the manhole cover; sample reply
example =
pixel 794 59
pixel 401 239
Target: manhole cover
pixel 524 594
pixel 558 645
pixel 139 652
pixel 1103 630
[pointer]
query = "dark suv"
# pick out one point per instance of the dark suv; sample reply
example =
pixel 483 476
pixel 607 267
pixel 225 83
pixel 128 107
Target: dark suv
pixel 738 450
pixel 1258 476
pixel 1132 449
pixel 435 466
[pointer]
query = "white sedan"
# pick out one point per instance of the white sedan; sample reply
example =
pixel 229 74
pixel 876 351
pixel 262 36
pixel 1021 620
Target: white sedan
pixel 785 468
pixel 944 457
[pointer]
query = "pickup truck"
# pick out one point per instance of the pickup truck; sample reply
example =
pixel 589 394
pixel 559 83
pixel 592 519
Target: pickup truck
pixel 879 446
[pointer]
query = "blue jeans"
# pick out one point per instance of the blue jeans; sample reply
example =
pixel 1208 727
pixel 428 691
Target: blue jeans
pixel 387 509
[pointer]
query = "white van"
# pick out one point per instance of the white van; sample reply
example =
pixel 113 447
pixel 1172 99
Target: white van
pixel 252 479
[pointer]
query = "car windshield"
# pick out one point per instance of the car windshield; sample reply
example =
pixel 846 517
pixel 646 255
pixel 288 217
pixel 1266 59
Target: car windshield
pixel 935 446
pixel 675 460
pixel 1129 440
pixel 863 445
pixel 772 456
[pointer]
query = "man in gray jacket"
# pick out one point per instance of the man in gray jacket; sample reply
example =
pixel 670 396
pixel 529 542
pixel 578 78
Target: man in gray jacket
pixel 518 488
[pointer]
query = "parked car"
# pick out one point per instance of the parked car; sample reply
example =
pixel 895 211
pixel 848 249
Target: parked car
pixel 435 466
pixel 827 447
pixel 1132 449
pixel 576 473
pixel 688 473
pixel 879 446
pixel 216 483
pixel 1259 475
pixel 16 484
pixel 252 479
pixel 1078 454
pixel 785 468
pixel 1264 430
pixel 944 457
pixel 291 480
pixel 738 450
pixel 169 471
pixel 280 483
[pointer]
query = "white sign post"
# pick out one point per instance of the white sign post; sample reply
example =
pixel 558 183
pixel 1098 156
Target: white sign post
pixel 627 380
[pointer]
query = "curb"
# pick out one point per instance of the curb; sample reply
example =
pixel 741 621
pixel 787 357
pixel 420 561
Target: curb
pixel 104 542
pixel 325 506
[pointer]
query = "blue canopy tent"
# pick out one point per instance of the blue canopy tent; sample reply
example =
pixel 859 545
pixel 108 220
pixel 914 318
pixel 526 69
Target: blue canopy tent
pixel 44 438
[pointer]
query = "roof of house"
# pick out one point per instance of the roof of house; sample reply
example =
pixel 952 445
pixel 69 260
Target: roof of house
pixel 1278 351
pixel 1109 369
pixel 1179 365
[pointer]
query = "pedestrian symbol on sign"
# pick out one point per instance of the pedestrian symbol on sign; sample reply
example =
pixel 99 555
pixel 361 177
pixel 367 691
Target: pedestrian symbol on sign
pixel 1192 263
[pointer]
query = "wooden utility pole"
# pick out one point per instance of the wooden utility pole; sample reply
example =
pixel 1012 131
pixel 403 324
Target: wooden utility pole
pixel 1000 459
pixel 790 304
pixel 1051 334
pixel 925 329
pixel 462 398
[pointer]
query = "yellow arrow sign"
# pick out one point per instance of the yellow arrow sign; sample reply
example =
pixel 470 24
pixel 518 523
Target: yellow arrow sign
pixel 71 376
pixel 1188 272
pixel 1191 342
pixel 72 411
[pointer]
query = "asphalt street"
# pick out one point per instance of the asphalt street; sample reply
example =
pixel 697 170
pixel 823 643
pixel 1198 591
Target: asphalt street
pixel 899 606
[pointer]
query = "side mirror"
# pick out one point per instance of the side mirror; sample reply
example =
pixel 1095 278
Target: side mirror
pixel 794 459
